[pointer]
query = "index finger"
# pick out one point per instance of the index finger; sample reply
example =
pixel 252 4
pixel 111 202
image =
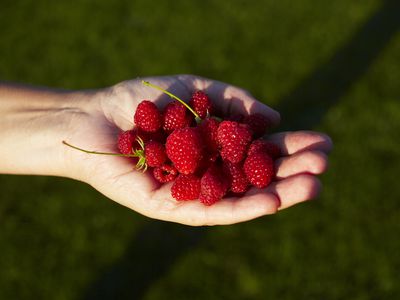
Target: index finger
pixel 231 100
pixel 291 142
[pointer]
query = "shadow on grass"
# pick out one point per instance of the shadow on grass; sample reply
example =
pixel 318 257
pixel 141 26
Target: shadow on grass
pixel 159 245
pixel 149 256
pixel 305 106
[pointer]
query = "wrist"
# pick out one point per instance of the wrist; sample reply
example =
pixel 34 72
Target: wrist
pixel 33 124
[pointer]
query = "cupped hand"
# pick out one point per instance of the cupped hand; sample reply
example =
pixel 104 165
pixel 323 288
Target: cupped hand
pixel 97 126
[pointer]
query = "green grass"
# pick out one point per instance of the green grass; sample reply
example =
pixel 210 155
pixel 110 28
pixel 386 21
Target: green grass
pixel 62 240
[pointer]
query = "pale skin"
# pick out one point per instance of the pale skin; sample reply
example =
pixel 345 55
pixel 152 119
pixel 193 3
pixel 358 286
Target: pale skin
pixel 35 121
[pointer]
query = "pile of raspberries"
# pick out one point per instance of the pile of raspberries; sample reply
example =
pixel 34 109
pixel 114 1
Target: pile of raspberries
pixel 205 156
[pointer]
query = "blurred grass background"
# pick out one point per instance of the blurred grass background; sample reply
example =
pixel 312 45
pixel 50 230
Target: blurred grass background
pixel 327 66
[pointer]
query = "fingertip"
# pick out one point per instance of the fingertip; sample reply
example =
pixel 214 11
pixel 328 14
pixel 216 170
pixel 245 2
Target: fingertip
pixel 322 141
pixel 323 163
pixel 308 187
pixel 315 186
pixel 329 142
pixel 316 160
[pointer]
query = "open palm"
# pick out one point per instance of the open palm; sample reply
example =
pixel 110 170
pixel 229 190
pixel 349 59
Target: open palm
pixel 97 127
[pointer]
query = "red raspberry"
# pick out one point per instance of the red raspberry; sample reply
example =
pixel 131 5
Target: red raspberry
pixel 148 117
pixel 234 138
pixel 201 104
pixel 209 131
pixel 214 185
pixel 186 187
pixel 154 153
pixel 175 116
pixel 258 124
pixel 185 149
pixel 259 169
pixel 165 173
pixel 237 177
pixel 264 146
pixel 126 140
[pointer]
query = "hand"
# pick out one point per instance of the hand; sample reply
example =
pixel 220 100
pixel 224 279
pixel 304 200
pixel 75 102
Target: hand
pixel 115 177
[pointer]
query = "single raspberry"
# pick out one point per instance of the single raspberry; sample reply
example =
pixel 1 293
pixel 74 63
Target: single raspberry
pixel 126 140
pixel 264 146
pixel 149 154
pixel 237 177
pixel 259 169
pixel 258 124
pixel 186 187
pixel 185 149
pixel 209 131
pixel 175 116
pixel 201 104
pixel 165 173
pixel 234 138
pixel 213 185
pixel 148 117
pixel 154 153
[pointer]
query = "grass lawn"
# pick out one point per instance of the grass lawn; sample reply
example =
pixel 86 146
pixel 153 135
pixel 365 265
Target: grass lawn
pixel 327 66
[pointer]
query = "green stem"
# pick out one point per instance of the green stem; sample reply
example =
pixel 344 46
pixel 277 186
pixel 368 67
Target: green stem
pixel 174 97
pixel 96 152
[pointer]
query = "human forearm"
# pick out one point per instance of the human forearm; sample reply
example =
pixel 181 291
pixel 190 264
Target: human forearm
pixel 33 122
